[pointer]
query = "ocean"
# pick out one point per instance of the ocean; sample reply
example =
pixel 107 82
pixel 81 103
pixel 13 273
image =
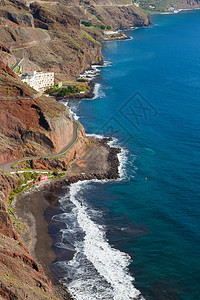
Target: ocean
pixel 139 237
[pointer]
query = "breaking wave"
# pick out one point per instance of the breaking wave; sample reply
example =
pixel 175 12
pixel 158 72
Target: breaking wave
pixel 96 271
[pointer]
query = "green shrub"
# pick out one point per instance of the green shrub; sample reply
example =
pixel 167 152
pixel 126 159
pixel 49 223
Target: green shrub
pixel 20 182
pixel 82 87
pixel 27 176
pixel 87 24
pixel 102 27
pixel 18 190
pixel 52 90
pixel 55 173
pixel 61 174
pixel 10 199
pixel 34 176
pixel 67 91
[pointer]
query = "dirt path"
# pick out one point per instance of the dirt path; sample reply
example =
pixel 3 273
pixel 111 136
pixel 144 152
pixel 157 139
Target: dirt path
pixel 7 167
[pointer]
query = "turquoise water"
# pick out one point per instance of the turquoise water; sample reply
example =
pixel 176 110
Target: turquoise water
pixel 149 98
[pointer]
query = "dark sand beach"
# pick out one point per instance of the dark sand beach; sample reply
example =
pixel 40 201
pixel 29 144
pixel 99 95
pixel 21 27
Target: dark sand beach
pixel 35 207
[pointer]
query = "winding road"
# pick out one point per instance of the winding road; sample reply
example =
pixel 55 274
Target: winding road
pixel 7 167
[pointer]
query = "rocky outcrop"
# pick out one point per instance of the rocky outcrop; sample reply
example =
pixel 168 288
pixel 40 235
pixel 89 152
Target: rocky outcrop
pixel 62 162
pixel 117 14
pixel 4 48
pixel 76 153
pixel 27 129
pixel 53 19
pixel 17 13
pixel 164 5
pixel 7 184
pixel 20 275
pixel 54 38
pixel 18 18
pixel 30 125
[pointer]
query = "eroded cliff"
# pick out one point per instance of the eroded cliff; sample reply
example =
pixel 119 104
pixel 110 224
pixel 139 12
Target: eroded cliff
pixel 30 125
pixel 49 37
pixel 164 5
pixel 54 37
pixel 20 274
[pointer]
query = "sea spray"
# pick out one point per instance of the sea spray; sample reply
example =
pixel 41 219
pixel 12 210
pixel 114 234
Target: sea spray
pixel 97 271
pixel 122 157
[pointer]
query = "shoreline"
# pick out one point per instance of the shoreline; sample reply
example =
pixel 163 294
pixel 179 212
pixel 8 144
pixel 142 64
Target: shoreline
pixel 176 11
pixel 43 198
pixel 91 93
pixel 37 202
pixel 33 207
pixel 87 95
pixel 37 237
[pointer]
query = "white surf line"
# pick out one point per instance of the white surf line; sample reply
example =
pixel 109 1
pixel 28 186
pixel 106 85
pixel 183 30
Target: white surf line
pixel 109 262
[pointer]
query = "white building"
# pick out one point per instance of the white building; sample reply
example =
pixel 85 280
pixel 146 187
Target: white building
pixel 40 81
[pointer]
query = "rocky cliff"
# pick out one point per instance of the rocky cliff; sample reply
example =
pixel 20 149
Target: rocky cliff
pixel 30 125
pixel 27 129
pixel 49 37
pixel 54 37
pixel 115 14
pixel 164 5
pixel 20 275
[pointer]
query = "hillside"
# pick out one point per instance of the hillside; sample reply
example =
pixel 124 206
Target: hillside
pixel 163 5
pixel 30 125
pixel 52 36
pixel 49 36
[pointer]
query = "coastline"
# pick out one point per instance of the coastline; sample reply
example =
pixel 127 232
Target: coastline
pixel 42 196
pixel 86 95
pixel 37 202
pixel 32 207
pixel 92 72
pixel 176 11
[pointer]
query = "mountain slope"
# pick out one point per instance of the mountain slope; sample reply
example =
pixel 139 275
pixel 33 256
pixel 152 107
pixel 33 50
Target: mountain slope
pixel 53 36
pixel 163 5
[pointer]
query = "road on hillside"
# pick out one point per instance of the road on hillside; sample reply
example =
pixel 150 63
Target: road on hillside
pixel 7 167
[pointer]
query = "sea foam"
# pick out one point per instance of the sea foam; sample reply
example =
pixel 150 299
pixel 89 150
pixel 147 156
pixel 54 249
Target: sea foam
pixel 97 271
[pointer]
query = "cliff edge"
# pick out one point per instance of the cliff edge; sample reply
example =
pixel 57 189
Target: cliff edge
pixel 63 36
pixel 52 36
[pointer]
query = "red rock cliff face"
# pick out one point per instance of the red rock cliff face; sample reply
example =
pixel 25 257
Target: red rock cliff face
pixel 62 163
pixel 30 126
pixel 115 13
pixel 55 42
pixel 53 37
pixel 27 129
pixel 20 275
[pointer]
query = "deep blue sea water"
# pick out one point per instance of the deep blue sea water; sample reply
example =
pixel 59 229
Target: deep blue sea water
pixel 149 98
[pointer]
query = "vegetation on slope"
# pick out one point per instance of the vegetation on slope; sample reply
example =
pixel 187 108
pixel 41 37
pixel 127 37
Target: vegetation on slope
pixel 163 5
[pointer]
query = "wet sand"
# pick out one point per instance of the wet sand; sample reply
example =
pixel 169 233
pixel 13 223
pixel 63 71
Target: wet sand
pixel 35 208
